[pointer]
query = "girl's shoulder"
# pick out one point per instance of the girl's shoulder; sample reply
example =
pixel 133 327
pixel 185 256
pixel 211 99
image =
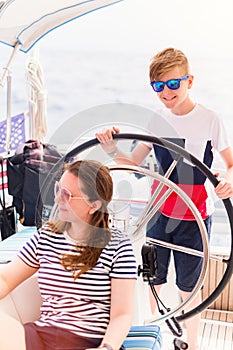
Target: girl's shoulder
pixel 48 230
pixel 118 240
pixel 118 234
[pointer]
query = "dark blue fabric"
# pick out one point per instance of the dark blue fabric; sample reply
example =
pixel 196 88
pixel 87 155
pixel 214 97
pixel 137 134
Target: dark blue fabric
pixel 183 233
pixel 184 173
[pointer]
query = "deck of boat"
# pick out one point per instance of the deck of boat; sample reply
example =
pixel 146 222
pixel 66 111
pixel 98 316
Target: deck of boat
pixel 216 331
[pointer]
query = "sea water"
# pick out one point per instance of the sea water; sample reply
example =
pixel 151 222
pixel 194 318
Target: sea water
pixel 81 80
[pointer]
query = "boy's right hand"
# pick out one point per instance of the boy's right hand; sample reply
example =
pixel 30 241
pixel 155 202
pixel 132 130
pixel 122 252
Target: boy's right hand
pixel 106 139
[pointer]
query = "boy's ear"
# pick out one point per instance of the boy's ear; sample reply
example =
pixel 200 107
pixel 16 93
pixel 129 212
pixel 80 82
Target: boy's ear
pixel 96 205
pixel 190 81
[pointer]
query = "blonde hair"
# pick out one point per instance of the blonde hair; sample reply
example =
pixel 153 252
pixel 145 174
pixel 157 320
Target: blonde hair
pixel 97 185
pixel 166 60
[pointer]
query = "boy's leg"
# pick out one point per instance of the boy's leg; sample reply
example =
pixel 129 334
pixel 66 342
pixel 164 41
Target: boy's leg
pixel 156 228
pixel 188 270
pixel 11 333
pixel 192 324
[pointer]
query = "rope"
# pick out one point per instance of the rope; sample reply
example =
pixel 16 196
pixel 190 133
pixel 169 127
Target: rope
pixel 37 95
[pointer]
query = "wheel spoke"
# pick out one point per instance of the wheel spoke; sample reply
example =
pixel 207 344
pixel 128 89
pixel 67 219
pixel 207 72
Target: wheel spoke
pixel 172 187
pixel 175 247
pixel 180 153
pixel 157 191
pixel 153 211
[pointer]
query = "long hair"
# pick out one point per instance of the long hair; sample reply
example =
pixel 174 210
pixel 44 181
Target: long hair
pixel 97 185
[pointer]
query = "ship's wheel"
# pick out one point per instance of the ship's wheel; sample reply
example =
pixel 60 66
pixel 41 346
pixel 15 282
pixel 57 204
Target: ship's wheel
pixel 137 229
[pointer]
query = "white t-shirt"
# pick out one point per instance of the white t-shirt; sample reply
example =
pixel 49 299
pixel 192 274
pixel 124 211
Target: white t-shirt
pixel 200 132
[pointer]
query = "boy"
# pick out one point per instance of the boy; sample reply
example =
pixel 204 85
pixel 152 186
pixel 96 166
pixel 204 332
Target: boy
pixel 200 131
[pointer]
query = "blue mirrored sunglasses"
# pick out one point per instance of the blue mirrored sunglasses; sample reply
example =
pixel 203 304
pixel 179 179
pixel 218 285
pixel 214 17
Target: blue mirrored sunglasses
pixel 172 84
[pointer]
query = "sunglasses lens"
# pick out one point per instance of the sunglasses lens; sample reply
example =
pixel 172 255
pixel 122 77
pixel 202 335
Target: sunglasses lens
pixel 158 86
pixel 173 84
pixel 65 195
pixel 56 188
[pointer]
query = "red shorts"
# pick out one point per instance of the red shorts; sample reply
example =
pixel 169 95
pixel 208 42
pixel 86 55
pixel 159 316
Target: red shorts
pixel 55 338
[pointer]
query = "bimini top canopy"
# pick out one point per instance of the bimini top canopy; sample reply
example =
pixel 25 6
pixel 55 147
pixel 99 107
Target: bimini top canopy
pixel 24 22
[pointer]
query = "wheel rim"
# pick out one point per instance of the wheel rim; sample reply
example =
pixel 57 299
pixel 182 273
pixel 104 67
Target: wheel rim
pixel 202 167
pixel 201 225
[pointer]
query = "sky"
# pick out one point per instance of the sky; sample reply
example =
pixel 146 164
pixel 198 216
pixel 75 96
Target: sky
pixel 143 24
pixel 203 29
pixel 136 25
pixel 199 28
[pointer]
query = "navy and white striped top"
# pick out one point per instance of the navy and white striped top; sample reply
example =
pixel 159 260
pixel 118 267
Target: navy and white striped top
pixel 81 306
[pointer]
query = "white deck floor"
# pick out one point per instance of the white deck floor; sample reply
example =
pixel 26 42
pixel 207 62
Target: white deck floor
pixel 216 332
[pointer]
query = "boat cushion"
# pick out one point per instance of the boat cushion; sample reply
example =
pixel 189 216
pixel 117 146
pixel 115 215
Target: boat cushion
pixel 144 338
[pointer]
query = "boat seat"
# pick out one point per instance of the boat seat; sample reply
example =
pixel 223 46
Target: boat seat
pixel 23 303
pixel 144 338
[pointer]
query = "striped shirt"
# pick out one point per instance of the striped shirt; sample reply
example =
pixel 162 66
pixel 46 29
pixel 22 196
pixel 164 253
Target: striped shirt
pixel 81 306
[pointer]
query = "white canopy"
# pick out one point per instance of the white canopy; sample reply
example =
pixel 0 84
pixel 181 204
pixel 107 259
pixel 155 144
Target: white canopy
pixel 24 22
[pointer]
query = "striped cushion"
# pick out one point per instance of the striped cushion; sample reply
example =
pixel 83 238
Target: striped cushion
pixel 143 338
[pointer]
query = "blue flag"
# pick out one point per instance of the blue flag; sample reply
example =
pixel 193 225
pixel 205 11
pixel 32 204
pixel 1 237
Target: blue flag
pixel 17 133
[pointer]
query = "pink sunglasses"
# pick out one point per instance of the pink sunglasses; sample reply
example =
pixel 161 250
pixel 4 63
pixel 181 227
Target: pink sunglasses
pixel 64 194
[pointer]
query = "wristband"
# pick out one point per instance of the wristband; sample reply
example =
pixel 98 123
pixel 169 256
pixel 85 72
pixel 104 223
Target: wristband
pixel 114 153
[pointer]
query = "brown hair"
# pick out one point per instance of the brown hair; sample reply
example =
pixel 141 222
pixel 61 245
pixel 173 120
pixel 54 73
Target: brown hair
pixel 97 185
pixel 166 60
